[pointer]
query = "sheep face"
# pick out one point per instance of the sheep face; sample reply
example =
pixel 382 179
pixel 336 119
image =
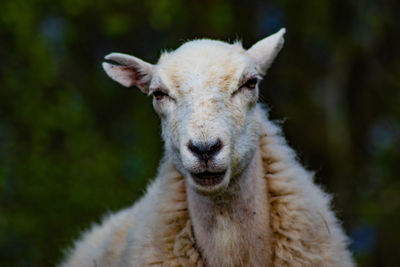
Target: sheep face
pixel 205 94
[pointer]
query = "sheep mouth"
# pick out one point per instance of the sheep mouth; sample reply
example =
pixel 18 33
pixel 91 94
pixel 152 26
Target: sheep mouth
pixel 208 178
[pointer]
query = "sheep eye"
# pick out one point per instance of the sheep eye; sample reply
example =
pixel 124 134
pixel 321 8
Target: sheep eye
pixel 159 94
pixel 251 83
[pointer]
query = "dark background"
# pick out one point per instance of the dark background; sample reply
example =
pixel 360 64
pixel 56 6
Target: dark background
pixel 75 145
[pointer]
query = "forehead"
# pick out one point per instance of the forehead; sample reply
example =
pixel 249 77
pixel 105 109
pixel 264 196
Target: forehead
pixel 203 63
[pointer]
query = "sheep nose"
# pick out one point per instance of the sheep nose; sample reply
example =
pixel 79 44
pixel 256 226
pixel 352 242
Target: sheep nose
pixel 205 151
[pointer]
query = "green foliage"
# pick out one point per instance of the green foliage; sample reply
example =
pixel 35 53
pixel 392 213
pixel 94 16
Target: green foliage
pixel 74 145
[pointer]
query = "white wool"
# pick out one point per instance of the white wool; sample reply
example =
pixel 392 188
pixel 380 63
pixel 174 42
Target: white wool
pixel 266 210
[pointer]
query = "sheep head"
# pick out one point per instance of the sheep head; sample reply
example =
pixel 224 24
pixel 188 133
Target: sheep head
pixel 205 93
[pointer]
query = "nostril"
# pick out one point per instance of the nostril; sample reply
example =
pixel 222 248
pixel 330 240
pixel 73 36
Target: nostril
pixel 216 146
pixel 205 151
pixel 194 148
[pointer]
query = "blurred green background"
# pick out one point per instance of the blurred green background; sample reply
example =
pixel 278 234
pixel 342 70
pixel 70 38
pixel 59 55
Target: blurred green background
pixel 75 145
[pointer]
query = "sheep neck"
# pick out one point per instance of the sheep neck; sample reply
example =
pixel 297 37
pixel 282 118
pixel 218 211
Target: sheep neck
pixel 232 228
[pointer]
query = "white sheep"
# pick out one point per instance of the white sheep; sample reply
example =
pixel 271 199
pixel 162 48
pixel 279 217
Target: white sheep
pixel 229 190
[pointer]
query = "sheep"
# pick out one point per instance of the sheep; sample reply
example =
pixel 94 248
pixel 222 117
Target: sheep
pixel 229 190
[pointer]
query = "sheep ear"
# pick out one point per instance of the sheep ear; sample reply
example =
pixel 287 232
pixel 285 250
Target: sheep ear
pixel 129 71
pixel 264 51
